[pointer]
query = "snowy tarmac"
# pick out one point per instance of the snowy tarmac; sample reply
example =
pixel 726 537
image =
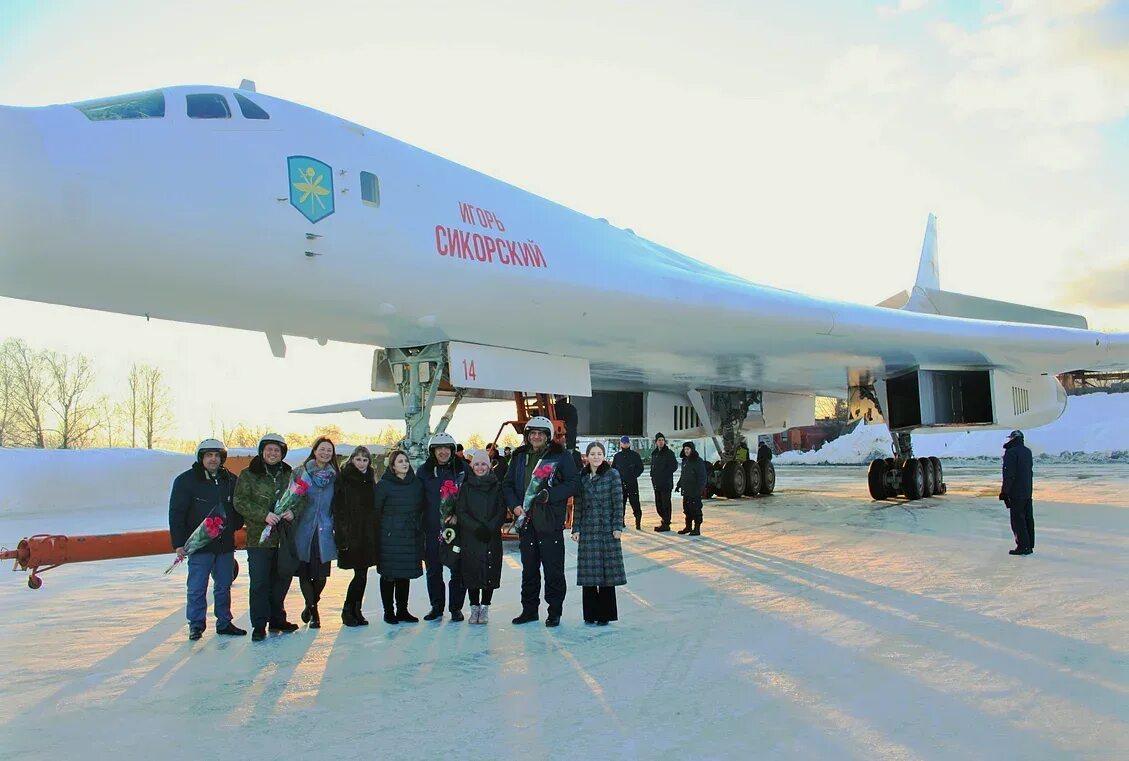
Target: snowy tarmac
pixel 814 624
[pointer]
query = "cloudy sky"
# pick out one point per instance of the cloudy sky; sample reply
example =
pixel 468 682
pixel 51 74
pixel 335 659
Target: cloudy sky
pixel 800 145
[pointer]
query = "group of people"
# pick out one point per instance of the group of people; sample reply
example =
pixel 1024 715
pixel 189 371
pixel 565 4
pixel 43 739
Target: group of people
pixel 321 512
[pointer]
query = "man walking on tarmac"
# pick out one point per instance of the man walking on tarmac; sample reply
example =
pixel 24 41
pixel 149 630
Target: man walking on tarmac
pixel 206 489
pixel 630 466
pixel 1016 493
pixel 663 467
pixel 443 464
pixel 542 540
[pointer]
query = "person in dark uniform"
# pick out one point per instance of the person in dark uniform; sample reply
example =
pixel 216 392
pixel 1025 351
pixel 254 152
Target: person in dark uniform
pixel 663 467
pixel 764 454
pixel 542 540
pixel 630 466
pixel 691 483
pixel 1016 493
pixel 568 415
pixel 444 463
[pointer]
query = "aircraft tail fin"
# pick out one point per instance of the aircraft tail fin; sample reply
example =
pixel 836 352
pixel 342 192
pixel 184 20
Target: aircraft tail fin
pixel 928 298
pixel 929 268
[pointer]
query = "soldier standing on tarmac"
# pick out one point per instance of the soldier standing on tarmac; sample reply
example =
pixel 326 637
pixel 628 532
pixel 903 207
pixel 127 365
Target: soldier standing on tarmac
pixel 630 466
pixel 663 466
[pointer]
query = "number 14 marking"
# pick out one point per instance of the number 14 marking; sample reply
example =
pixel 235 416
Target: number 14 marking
pixel 468 371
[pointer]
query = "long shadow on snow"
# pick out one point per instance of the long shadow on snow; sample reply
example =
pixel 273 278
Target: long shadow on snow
pixel 1020 647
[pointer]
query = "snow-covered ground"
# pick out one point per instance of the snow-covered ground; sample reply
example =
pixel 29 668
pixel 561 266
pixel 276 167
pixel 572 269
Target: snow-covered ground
pixel 1093 428
pixel 814 624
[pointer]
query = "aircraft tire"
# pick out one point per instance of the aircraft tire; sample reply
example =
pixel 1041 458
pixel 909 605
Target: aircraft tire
pixel 912 479
pixel 733 480
pixel 938 476
pixel 768 479
pixel 927 483
pixel 876 480
pixel 752 478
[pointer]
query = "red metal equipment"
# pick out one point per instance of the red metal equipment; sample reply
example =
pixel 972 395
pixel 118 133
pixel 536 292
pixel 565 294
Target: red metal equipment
pixel 43 552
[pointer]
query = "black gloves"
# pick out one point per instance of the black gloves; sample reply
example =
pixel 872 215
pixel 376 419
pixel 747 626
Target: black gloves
pixel 482 534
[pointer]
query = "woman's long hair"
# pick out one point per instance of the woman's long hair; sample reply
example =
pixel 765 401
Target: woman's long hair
pixel 392 460
pixel 332 460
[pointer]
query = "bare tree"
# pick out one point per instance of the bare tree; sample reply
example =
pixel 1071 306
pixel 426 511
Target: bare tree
pixel 71 378
pixel 5 395
pixel 110 419
pixel 30 388
pixel 154 406
pixel 132 403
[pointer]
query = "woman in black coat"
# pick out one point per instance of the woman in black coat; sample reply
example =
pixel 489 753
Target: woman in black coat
pixel 480 511
pixel 356 530
pixel 400 502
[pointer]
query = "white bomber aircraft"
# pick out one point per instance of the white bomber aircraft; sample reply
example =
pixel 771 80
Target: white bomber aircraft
pixel 228 207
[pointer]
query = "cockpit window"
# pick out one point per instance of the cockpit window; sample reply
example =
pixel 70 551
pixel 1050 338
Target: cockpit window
pixel 208 105
pixel 250 108
pixel 141 105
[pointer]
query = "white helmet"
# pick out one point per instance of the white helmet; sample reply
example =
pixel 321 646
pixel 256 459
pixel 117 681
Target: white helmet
pixel 541 423
pixel 211 445
pixel 442 439
pixel 272 438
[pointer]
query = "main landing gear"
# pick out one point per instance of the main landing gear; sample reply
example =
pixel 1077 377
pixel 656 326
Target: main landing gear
pixel 730 477
pixel 913 477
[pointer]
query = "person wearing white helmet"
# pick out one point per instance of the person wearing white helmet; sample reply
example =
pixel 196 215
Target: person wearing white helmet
pixel 206 489
pixel 259 486
pixel 442 465
pixel 542 540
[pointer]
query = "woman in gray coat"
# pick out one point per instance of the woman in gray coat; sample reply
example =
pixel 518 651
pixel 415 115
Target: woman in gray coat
pixel 313 536
pixel 597 525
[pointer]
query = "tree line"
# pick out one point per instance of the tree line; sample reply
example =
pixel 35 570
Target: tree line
pixel 48 400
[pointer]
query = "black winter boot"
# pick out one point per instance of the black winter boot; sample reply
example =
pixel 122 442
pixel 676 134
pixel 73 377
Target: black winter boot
pixel 638 522
pixel 361 620
pixel 387 590
pixel 687 529
pixel 402 613
pixel 697 530
pixel 349 615
pixel 434 614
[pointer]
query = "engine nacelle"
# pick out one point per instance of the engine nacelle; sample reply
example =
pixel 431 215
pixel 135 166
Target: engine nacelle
pixel 956 398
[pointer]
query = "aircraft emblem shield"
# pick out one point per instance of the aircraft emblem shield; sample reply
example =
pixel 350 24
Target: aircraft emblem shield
pixel 311 187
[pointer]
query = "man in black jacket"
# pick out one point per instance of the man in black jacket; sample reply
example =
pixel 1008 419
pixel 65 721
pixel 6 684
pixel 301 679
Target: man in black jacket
pixel 206 490
pixel 663 466
pixel 1016 493
pixel 444 463
pixel 567 414
pixel 542 540
pixel 691 483
pixel 630 466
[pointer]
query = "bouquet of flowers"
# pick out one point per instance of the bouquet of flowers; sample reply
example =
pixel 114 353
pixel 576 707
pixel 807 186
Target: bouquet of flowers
pixel 448 494
pixel 290 498
pixel 211 527
pixel 541 475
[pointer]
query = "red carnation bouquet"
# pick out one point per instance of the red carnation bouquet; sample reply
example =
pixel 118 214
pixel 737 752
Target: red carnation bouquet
pixel 291 498
pixel 448 535
pixel 208 530
pixel 541 475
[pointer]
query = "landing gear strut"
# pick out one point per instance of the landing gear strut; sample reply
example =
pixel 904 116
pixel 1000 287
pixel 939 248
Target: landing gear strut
pixel 729 476
pixel 418 372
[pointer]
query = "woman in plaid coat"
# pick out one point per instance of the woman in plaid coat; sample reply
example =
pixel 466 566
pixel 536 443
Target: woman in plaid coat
pixel 597 525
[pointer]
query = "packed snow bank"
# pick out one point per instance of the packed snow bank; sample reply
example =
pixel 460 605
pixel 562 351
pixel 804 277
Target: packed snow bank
pixel 1093 427
pixel 61 480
